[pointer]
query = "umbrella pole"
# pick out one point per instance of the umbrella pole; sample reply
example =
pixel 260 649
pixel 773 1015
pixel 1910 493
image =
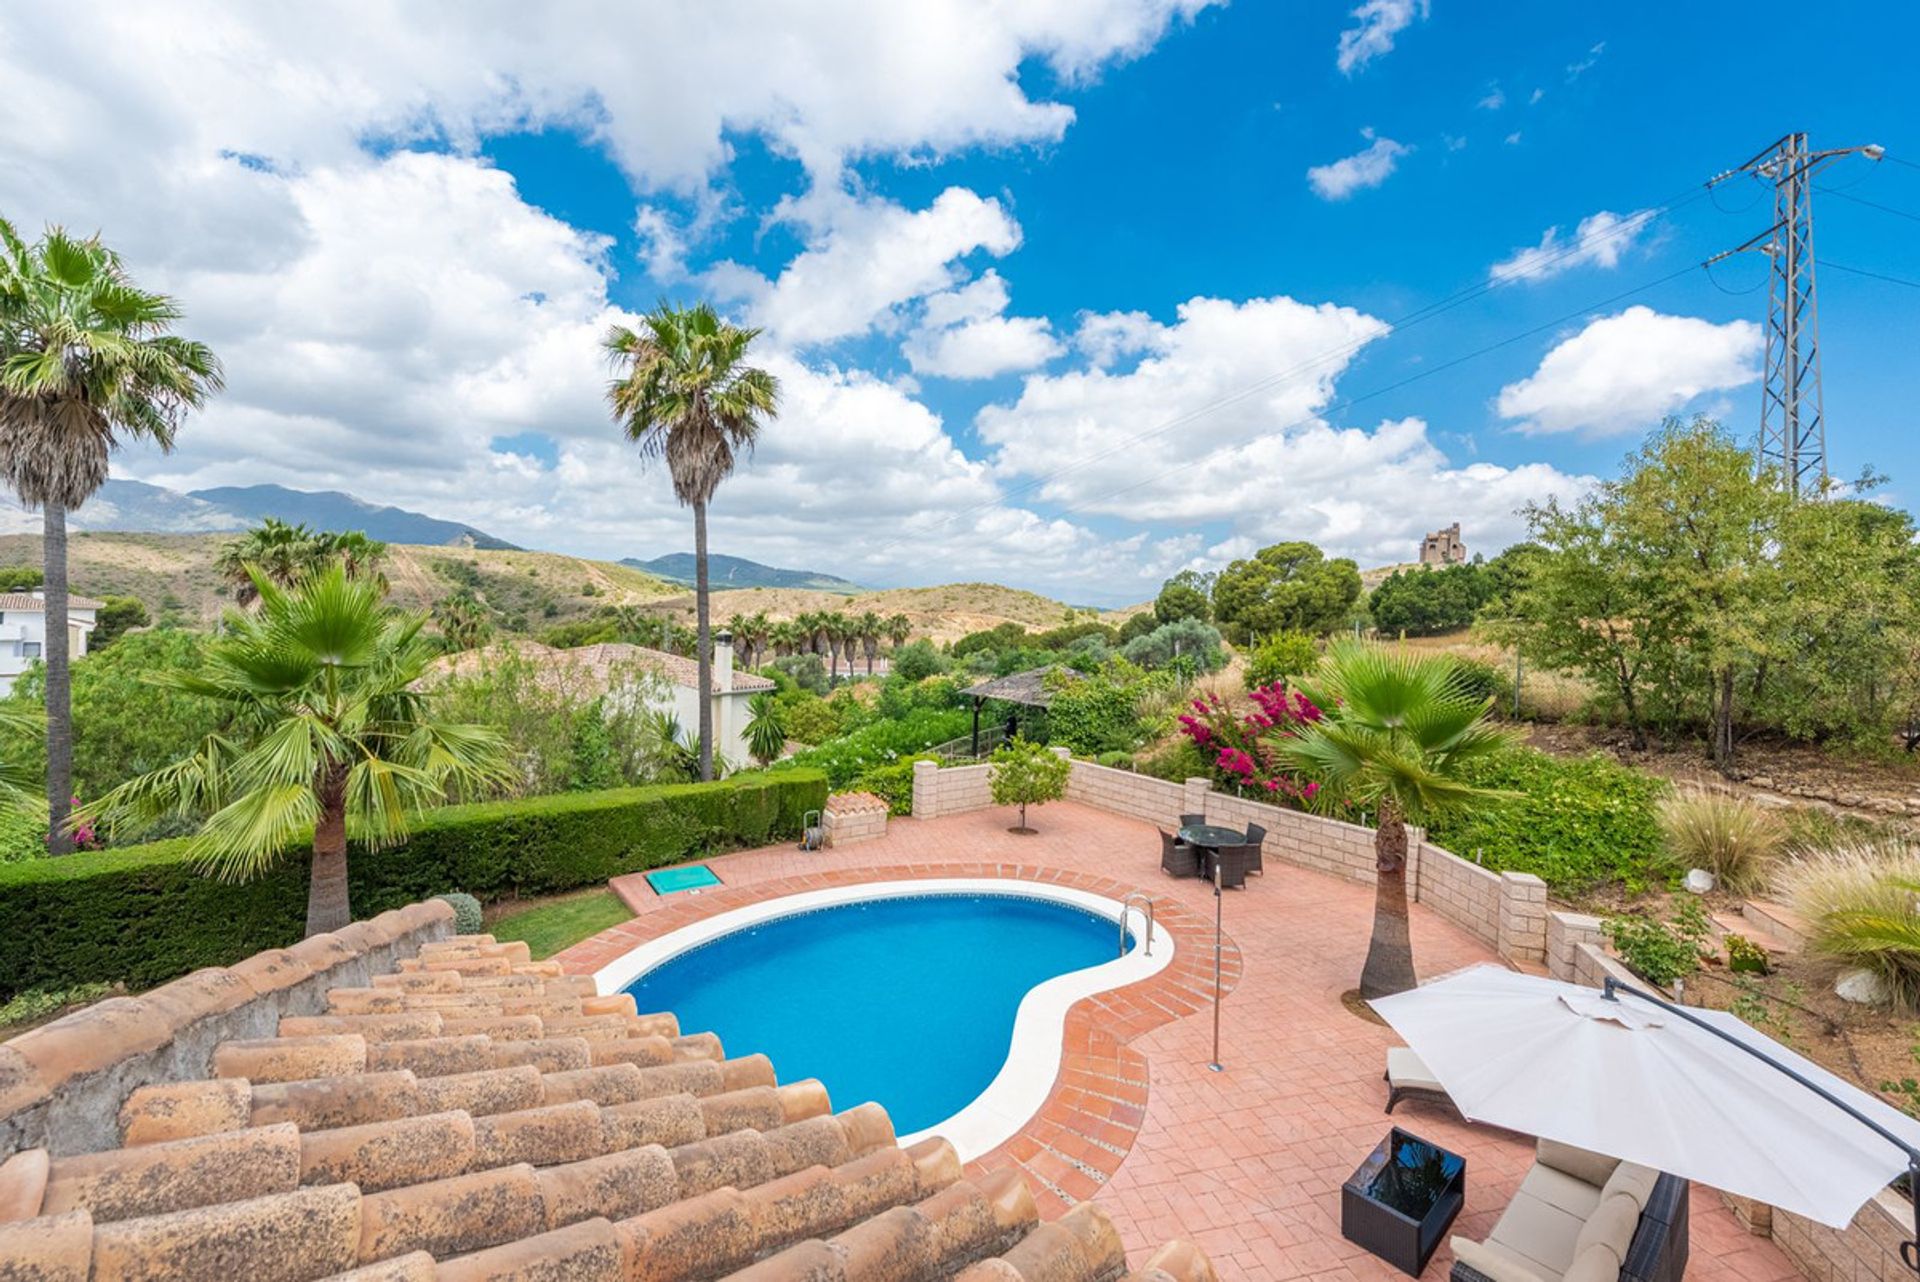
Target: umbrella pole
pixel 1215 1064
pixel 1909 1250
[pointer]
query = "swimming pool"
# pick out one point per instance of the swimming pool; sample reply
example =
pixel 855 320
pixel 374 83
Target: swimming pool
pixel 944 1001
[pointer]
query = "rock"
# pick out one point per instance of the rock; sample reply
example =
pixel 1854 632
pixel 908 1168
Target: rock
pixel 1699 881
pixel 1760 781
pixel 1863 988
pixel 1851 800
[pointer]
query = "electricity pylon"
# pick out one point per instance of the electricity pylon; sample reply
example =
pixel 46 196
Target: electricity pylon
pixel 1793 426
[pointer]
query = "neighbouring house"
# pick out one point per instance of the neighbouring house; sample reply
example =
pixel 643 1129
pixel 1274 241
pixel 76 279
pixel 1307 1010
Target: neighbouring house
pixel 1444 547
pixel 677 691
pixel 23 630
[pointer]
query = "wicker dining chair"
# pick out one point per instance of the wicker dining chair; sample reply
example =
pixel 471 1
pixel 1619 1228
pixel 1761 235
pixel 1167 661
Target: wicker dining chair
pixel 1192 821
pixel 1177 858
pixel 1256 836
pixel 1235 861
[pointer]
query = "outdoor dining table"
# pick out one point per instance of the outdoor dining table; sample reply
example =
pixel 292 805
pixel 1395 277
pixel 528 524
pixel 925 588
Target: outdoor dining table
pixel 1210 838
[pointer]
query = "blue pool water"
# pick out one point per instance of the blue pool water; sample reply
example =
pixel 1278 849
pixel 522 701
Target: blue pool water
pixel 906 1001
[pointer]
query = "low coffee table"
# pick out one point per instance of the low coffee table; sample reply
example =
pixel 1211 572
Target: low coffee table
pixel 1403 1199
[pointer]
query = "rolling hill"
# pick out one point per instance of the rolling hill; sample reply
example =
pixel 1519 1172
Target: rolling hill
pixel 737 572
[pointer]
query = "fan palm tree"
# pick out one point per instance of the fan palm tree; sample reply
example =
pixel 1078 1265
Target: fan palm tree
pixel 899 628
pixel 85 360
pixel 463 619
pixel 834 627
pixel 277 550
pixel 362 557
pixel 1398 731
pixel 760 633
pixel 871 628
pixel 684 392
pixel 328 738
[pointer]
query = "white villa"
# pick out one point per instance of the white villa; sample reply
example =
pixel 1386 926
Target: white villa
pixel 23 630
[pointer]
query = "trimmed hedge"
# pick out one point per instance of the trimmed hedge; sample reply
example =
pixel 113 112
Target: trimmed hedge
pixel 145 914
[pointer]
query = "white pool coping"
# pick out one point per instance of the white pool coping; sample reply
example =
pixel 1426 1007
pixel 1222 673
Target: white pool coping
pixel 1020 1088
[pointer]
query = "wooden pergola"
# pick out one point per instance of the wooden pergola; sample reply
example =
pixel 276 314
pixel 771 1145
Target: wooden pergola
pixel 1028 689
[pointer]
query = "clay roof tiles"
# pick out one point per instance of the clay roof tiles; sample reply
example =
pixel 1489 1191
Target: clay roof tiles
pixel 452 1111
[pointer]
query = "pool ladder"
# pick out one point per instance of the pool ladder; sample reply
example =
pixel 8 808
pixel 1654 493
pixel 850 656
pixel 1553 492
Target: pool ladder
pixel 1127 903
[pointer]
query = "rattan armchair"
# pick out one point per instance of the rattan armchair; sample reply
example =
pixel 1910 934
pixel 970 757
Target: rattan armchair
pixel 1177 858
pixel 1256 837
pixel 1235 863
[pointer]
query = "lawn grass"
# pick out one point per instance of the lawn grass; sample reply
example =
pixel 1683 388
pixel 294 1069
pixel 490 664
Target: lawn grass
pixel 549 925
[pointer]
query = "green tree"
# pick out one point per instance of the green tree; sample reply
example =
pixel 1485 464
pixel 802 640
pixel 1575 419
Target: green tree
pixel 463 619
pixel 1185 596
pixel 1289 587
pixel 116 615
pixel 1424 601
pixel 327 735
pixel 899 629
pixel 86 358
pixel 1028 774
pixel 285 554
pixel 684 393
pixel 1137 625
pixel 1283 655
pixel 1398 736
pixel 1187 642
pixel 21 578
pixel 766 728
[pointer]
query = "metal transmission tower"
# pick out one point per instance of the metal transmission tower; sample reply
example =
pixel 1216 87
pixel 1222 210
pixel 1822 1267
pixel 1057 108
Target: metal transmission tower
pixel 1793 427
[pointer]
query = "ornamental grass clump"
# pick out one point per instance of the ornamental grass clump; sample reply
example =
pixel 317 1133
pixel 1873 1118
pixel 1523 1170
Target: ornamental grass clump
pixel 1863 903
pixel 1737 841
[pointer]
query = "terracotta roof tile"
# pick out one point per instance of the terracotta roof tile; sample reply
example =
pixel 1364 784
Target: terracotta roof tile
pixel 28 601
pixel 475 1115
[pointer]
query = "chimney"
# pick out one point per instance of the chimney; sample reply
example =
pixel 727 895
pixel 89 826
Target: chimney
pixel 723 661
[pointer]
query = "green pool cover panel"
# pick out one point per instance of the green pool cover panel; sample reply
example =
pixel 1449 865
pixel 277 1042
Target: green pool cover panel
pixel 668 881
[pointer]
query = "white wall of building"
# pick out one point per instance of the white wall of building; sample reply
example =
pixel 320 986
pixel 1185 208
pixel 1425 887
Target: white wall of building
pixel 23 637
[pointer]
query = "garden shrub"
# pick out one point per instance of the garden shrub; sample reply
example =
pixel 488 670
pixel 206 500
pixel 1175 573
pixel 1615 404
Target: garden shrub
pixel 1735 840
pixel 892 783
pixel 880 743
pixel 1860 901
pixel 1282 655
pixel 1097 713
pixel 1662 951
pixel 810 720
pixel 917 661
pixel 1482 680
pixel 1177 760
pixel 145 914
pixel 1577 823
pixel 466 912
pixel 1028 774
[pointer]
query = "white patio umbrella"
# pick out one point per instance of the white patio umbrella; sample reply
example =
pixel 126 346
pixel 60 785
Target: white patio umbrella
pixel 1636 1078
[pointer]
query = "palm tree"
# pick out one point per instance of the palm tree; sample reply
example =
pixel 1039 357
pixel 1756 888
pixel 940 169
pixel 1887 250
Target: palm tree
pixel 328 736
pixel 899 628
pixel 834 628
pixel 85 359
pixel 279 551
pixel 849 640
pixel 870 627
pixel 463 620
pixel 1398 730
pixel 742 646
pixel 759 634
pixel 766 728
pixel 363 558
pixel 685 393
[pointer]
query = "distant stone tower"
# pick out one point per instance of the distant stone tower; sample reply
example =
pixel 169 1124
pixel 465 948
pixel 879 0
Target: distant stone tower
pixel 1443 547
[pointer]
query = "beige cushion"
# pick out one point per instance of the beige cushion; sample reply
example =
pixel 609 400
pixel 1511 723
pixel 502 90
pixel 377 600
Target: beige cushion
pixel 1488 1258
pixel 1610 1227
pixel 1408 1071
pixel 1539 1232
pixel 1595 1264
pixel 1594 1168
pixel 1557 1188
pixel 1633 1180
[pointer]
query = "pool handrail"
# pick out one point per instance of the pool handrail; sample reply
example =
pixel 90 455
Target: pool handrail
pixel 1126 902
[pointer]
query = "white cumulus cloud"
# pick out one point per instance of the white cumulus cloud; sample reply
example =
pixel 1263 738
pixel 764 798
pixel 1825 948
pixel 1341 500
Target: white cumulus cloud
pixel 965 333
pixel 1377 23
pixel 1601 240
pixel 1368 167
pixel 1624 373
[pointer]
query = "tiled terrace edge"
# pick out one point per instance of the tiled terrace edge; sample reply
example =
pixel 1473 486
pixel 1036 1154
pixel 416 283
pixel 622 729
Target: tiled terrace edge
pixel 1087 1126
pixel 1506 911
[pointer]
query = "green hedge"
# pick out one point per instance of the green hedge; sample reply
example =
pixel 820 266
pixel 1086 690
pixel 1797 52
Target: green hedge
pixel 144 914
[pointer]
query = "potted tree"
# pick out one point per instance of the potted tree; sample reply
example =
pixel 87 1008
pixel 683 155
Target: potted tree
pixel 1028 774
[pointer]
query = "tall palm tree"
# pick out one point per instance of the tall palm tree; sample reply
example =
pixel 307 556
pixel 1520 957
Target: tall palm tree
pixel 85 360
pixel 362 557
pixel 684 392
pixel 899 628
pixel 328 736
pixel 463 619
pixel 849 640
pixel 760 635
pixel 871 628
pixel 834 628
pixel 1399 728
pixel 277 550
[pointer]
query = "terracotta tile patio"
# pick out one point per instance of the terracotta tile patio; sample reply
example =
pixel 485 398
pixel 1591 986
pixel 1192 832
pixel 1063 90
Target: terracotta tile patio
pixel 1247 1162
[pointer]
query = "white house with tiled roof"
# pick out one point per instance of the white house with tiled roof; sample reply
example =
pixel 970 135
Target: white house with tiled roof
pixel 23 630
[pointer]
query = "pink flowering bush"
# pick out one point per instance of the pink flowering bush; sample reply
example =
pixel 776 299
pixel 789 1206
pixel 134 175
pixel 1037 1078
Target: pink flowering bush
pixel 1243 751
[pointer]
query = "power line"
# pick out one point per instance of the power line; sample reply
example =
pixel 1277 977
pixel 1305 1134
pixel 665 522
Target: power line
pixel 1861 271
pixel 1860 200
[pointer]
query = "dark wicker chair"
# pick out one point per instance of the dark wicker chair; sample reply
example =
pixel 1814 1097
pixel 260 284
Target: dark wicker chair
pixel 1235 863
pixel 1256 837
pixel 1177 858
pixel 1192 821
pixel 1658 1252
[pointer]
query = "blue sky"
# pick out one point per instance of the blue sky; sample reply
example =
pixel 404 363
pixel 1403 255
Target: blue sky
pixel 1035 282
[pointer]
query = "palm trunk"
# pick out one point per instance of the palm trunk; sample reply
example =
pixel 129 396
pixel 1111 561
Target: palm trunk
pixel 1389 967
pixel 702 646
pixel 59 680
pixel 328 904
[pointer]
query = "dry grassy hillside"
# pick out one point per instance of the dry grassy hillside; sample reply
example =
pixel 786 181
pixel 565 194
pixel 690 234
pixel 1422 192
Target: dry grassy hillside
pixel 174 575
pixel 943 613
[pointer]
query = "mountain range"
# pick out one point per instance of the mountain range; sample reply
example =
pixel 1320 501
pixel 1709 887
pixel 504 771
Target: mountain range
pixel 123 506
pixel 727 572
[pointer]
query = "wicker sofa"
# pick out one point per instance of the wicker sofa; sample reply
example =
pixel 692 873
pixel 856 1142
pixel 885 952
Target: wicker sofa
pixel 1582 1217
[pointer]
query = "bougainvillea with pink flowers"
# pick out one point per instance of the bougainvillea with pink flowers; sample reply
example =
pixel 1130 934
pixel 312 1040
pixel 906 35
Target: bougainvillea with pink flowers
pixel 1243 749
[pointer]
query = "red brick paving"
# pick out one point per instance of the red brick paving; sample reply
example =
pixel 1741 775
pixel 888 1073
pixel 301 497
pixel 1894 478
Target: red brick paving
pixel 1247 1162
